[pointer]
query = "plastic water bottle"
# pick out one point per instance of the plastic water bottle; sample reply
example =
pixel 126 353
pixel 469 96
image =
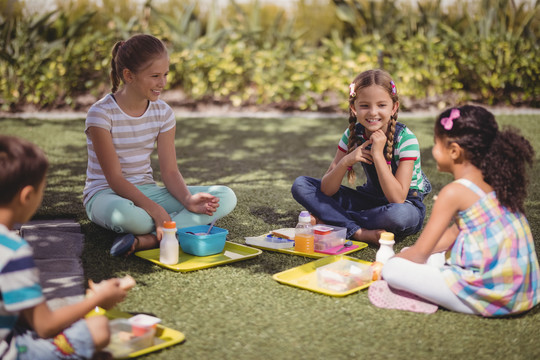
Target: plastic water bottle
pixel 386 250
pixel 304 239
pixel 168 246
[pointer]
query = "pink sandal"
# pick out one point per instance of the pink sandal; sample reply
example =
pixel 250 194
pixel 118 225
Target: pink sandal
pixel 381 295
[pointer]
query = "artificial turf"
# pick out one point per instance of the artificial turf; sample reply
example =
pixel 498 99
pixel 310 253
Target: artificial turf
pixel 238 311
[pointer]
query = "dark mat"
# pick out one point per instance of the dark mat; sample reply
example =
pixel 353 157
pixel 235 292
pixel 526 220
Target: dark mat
pixel 57 246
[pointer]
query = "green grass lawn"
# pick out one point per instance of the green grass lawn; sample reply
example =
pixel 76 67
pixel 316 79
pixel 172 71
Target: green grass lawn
pixel 238 311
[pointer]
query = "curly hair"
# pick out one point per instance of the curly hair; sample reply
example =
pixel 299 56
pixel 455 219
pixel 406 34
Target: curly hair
pixel 133 54
pixel 363 80
pixel 501 156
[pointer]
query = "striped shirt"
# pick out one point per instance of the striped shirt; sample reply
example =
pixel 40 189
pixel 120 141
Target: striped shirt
pixel 493 265
pixel 406 147
pixel 19 284
pixel 133 138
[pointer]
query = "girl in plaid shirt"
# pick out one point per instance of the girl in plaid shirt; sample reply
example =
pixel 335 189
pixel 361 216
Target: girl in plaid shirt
pixel 491 267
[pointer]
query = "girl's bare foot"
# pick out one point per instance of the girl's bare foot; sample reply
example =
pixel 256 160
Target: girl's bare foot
pixel 314 220
pixel 368 236
pixel 143 242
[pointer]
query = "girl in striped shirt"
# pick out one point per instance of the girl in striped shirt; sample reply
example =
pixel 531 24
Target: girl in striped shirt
pixel 392 197
pixel 122 129
pixel 491 266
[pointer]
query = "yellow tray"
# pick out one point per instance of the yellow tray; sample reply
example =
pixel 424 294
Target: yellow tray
pixel 314 255
pixel 165 336
pixel 231 252
pixel 305 276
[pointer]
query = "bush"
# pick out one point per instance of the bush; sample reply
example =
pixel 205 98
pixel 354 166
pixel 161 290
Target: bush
pixel 255 54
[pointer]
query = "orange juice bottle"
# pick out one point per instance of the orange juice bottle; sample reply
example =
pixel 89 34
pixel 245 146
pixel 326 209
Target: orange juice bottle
pixel 304 240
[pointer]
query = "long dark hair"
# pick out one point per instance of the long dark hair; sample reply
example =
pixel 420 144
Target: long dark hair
pixel 502 156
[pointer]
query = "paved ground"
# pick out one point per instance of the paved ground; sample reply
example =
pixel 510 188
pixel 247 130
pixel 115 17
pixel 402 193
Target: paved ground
pixel 57 246
pixel 228 111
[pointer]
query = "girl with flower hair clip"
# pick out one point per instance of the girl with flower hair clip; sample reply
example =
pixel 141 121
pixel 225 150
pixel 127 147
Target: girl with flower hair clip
pixel 391 199
pixel 485 262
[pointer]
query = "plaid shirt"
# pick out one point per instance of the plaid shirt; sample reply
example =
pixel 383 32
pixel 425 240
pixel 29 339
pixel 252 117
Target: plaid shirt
pixel 493 265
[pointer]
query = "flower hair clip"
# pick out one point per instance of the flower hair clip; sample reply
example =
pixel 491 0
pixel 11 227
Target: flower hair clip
pixel 394 89
pixel 352 93
pixel 448 122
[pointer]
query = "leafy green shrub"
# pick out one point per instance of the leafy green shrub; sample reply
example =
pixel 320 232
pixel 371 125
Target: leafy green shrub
pixel 258 54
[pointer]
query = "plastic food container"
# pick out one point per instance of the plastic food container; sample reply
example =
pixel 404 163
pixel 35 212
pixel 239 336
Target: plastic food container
pixel 343 275
pixel 327 236
pixel 269 241
pixel 124 340
pixel 141 324
pixel 193 240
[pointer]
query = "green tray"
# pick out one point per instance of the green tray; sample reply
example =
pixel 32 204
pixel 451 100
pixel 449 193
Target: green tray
pixel 305 276
pixel 232 252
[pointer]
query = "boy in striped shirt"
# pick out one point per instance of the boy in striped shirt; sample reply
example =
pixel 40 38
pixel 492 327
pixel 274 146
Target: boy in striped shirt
pixel 28 328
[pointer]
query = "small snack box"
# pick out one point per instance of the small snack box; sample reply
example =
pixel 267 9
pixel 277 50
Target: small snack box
pixel 270 241
pixel 343 275
pixel 131 335
pixel 328 236
pixel 142 323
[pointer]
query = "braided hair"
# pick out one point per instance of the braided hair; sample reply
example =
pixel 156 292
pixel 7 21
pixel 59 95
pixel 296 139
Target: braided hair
pixel 133 54
pixel 363 80
pixel 501 156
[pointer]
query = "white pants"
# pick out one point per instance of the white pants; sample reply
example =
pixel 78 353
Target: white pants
pixel 424 280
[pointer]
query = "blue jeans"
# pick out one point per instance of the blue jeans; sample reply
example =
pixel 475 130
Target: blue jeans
pixel 360 208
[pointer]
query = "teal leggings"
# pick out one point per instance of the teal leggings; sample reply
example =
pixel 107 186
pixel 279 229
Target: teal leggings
pixel 119 214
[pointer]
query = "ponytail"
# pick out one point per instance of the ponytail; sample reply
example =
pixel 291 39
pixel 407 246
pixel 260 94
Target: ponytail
pixel 504 168
pixel 116 78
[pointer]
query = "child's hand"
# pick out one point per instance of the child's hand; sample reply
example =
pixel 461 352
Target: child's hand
pixel 159 215
pixel 203 203
pixel 378 138
pixel 109 292
pixel 360 154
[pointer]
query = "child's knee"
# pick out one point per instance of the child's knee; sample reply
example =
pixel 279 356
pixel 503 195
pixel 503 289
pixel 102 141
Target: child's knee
pixel 301 184
pixel 405 220
pixel 99 329
pixel 120 215
pixel 125 217
pixel 227 198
